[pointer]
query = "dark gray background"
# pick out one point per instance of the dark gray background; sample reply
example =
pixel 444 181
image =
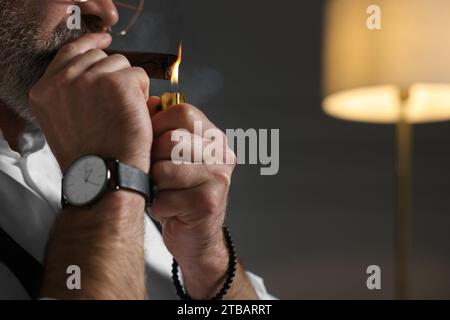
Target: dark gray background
pixel 312 230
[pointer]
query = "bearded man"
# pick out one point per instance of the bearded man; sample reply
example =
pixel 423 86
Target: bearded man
pixel 66 110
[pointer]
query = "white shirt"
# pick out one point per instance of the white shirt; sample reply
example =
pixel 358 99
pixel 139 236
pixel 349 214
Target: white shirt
pixel 30 193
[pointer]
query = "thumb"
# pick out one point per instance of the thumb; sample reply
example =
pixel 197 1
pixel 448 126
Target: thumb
pixel 152 104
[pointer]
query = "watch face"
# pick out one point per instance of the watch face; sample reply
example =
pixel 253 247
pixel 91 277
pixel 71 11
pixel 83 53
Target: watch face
pixel 85 180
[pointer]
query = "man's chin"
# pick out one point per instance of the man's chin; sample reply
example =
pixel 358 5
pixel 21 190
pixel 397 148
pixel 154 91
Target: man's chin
pixel 25 52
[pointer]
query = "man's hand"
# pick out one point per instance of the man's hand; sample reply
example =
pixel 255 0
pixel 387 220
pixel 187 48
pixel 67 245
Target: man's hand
pixel 191 205
pixel 89 103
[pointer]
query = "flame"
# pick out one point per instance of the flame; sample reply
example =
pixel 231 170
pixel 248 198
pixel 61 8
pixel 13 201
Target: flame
pixel 176 67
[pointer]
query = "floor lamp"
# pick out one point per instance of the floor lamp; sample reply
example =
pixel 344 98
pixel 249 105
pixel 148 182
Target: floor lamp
pixel 388 62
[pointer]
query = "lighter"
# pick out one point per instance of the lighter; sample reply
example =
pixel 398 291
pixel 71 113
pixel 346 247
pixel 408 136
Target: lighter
pixel 170 99
pixel 174 97
pixel 159 66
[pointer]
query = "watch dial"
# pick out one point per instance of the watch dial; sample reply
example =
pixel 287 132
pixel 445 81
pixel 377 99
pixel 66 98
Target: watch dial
pixel 85 180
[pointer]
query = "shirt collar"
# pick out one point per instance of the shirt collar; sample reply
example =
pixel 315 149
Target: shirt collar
pixel 31 139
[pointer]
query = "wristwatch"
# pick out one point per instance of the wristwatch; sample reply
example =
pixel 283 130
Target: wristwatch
pixel 91 176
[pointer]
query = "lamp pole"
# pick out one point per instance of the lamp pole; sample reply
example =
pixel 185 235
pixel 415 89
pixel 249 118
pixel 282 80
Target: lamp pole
pixel 403 206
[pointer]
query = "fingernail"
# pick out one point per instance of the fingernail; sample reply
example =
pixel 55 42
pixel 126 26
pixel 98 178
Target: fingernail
pixel 106 37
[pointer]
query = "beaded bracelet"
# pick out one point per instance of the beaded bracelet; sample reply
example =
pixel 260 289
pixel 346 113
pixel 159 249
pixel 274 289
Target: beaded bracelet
pixel 231 272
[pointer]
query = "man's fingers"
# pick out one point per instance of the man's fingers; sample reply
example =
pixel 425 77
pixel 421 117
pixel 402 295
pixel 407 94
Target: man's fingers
pixel 80 64
pixel 172 203
pixel 136 73
pixel 178 203
pixel 113 63
pixel 169 176
pixel 152 103
pixel 78 47
pixel 164 145
pixel 180 116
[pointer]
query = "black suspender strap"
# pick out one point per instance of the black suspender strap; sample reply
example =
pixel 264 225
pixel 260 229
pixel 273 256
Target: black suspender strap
pixel 24 266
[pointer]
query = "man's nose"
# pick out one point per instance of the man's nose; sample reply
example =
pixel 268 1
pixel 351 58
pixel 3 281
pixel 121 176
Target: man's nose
pixel 105 10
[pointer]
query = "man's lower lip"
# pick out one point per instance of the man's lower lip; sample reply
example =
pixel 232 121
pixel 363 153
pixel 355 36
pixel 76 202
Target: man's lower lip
pixel 157 65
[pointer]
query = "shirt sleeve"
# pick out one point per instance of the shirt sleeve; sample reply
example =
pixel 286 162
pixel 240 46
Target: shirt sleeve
pixel 260 288
pixel 257 283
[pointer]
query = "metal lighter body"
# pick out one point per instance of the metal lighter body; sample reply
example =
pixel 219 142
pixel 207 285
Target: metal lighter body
pixel 170 99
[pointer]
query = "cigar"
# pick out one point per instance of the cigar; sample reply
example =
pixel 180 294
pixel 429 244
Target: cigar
pixel 157 65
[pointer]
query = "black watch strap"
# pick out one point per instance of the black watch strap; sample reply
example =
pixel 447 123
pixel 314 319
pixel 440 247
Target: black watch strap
pixel 121 176
pixel 130 178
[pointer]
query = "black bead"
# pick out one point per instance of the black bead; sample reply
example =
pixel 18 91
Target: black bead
pixel 231 272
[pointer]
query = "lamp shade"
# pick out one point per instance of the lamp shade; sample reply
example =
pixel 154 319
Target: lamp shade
pixel 369 74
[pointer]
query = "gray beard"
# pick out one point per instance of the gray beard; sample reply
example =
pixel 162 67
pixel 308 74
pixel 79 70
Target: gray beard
pixel 25 54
